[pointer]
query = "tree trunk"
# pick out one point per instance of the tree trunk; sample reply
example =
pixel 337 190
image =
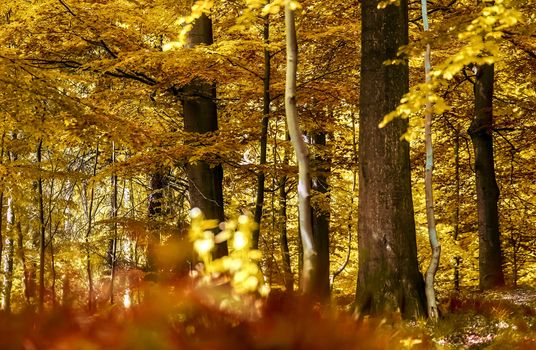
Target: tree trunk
pixel 457 259
pixel 431 302
pixel 283 236
pixel 300 148
pixel 91 293
pixel 264 135
pixel 28 293
pixel 487 191
pixel 200 116
pixel 389 277
pixel 155 213
pixel 2 203
pixel 42 230
pixel 9 252
pixel 321 219
pixel 113 241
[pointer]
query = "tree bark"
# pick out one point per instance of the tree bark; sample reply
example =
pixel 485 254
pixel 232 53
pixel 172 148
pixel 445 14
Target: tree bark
pixel 264 135
pixel 91 293
pixel 433 312
pixel 321 218
pixel 389 277
pixel 9 252
pixel 155 213
pixel 310 256
pixel 283 236
pixel 28 292
pixel 113 214
pixel 200 116
pixel 42 230
pixel 487 191
pixel 457 259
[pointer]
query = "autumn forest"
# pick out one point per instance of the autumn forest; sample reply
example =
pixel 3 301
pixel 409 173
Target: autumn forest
pixel 267 174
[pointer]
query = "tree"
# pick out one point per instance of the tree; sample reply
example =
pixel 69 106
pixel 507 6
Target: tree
pixel 431 302
pixel 481 132
pixel 201 116
pixel 321 215
pixel 310 257
pixel 389 277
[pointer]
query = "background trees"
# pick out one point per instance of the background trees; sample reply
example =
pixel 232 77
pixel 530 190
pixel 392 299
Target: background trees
pixel 77 76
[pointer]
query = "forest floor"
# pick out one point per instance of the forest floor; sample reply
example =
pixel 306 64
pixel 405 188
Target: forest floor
pixel 503 319
pixel 206 319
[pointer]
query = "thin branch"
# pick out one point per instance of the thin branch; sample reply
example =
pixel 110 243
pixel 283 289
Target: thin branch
pixel 67 8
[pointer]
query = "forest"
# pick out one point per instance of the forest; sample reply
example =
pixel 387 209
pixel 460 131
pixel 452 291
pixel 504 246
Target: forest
pixel 268 174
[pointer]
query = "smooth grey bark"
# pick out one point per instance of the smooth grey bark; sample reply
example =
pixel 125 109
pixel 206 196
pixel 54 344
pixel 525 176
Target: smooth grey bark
pixel 310 256
pixel 433 312
pixel 200 116
pixel 266 100
pixel 388 277
pixel 487 192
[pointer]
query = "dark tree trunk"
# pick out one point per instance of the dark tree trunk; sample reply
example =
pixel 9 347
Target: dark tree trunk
pixel 42 231
pixel 487 191
pixel 156 198
pixel 283 236
pixel 321 218
pixel 389 277
pixel 113 214
pixel 457 259
pixel 91 293
pixel 264 136
pixel 200 116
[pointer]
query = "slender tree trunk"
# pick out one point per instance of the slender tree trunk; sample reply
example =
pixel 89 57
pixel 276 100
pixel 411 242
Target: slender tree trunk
pixel 264 135
pixel 487 191
pixel 350 219
pixel 42 230
pixel 431 302
pixel 114 212
pixel 310 256
pixel 321 218
pixel 1 227
pixel 91 291
pixel 52 271
pixel 9 252
pixel 156 198
pixel 389 277
pixel 283 236
pixel 2 204
pixel 25 272
pixel 457 259
pixel 200 116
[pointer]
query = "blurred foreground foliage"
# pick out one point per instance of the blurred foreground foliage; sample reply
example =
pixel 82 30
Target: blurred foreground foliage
pixel 224 304
pixel 184 315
